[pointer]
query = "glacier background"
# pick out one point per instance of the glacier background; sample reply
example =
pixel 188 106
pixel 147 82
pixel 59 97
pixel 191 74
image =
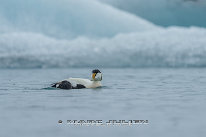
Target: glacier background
pixel 98 33
pixel 166 12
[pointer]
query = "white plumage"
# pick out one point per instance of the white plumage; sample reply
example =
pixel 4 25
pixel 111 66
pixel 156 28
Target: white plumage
pixel 77 83
pixel 86 82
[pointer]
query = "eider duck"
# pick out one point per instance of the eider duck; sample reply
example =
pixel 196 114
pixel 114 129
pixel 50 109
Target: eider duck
pixel 78 83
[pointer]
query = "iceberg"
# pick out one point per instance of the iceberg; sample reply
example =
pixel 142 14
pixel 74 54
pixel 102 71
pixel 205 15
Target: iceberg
pixel 68 19
pixel 70 33
pixel 165 12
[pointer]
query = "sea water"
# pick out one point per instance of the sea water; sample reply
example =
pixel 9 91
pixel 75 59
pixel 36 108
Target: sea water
pixel 171 100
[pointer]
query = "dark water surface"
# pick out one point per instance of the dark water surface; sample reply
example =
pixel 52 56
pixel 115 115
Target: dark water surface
pixel 172 100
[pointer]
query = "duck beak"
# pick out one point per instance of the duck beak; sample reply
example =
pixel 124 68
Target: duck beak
pixel 93 75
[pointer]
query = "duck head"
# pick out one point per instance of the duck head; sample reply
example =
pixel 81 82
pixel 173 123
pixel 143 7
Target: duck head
pixel 96 75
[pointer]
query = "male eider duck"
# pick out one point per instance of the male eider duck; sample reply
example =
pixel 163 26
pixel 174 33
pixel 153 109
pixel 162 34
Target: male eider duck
pixel 78 83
